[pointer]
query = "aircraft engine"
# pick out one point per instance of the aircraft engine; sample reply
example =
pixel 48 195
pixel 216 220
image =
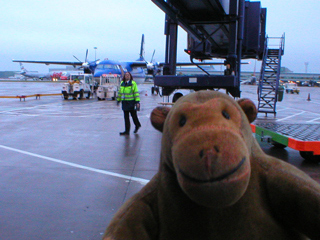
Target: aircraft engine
pixel 86 67
pixel 153 68
pixel 150 68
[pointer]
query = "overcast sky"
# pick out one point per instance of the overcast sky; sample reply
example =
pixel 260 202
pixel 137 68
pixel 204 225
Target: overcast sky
pixel 59 29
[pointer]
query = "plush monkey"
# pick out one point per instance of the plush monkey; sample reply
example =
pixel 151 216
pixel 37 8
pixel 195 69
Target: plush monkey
pixel 215 182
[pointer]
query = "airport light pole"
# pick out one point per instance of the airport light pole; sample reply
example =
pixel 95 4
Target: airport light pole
pixel 306 66
pixel 95 53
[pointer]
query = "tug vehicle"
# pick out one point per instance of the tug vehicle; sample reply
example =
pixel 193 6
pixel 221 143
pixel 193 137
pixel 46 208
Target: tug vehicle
pixel 292 88
pixel 78 85
pixel 108 86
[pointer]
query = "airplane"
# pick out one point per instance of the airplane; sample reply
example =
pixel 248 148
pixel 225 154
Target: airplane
pixel 66 74
pixel 106 66
pixel 27 74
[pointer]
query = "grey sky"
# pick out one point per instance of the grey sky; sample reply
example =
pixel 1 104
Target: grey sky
pixel 56 30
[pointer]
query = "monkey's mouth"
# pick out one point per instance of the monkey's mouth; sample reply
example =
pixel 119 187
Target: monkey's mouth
pixel 215 179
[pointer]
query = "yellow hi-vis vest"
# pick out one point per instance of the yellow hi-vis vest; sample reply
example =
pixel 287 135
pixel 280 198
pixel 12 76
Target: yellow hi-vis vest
pixel 128 92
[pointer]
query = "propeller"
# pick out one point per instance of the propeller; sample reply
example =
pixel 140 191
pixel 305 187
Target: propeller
pixel 86 59
pixel 76 58
pixel 153 67
pixel 153 55
pixel 88 67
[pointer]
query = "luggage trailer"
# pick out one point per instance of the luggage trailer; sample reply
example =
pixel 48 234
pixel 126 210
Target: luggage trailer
pixel 302 137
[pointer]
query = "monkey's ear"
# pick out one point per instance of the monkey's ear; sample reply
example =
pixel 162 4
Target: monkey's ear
pixel 158 116
pixel 249 108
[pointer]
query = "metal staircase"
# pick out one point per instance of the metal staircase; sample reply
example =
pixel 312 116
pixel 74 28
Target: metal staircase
pixel 270 74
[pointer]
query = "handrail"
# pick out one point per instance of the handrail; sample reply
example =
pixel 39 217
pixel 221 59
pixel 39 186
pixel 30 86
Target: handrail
pixel 272 46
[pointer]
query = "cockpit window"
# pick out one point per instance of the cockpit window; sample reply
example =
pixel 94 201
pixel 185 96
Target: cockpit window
pixel 107 66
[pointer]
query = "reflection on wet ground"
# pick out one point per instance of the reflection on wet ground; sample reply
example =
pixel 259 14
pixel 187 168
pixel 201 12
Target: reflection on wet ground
pixel 65 170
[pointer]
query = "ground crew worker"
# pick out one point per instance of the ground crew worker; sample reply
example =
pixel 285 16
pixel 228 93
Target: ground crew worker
pixel 129 96
pixel 76 80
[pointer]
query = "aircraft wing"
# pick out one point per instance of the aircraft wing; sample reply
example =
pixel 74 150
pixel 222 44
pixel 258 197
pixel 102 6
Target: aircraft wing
pixel 50 62
pixel 144 64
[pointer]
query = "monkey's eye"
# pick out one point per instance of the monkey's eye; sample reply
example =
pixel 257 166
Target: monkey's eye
pixel 182 121
pixel 226 115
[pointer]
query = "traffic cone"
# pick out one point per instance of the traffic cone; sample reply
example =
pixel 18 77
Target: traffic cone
pixel 309 99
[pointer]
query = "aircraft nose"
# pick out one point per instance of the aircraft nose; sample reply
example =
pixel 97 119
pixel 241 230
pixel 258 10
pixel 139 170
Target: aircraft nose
pixel 98 73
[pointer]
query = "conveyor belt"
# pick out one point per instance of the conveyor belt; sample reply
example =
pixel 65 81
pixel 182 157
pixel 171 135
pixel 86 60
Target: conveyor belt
pixel 302 137
pixel 303 132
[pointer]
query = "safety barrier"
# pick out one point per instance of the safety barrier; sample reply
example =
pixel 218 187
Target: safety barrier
pixel 33 95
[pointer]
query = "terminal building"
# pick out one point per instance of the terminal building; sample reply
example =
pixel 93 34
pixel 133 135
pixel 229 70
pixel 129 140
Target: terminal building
pixel 302 79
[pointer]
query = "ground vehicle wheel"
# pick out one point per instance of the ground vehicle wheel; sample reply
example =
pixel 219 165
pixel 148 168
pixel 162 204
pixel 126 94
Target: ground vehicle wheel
pixel 114 96
pixel 88 96
pixel 75 95
pixel 309 156
pixel 81 94
pixel 154 90
pixel 287 91
pixel 65 96
pixel 157 90
pixel 176 96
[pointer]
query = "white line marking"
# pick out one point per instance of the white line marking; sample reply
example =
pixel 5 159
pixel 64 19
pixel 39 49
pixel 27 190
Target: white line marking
pixel 291 116
pixel 314 102
pixel 282 109
pixel 139 180
pixel 313 120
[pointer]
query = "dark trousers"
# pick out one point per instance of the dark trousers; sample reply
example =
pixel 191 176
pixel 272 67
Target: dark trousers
pixel 134 118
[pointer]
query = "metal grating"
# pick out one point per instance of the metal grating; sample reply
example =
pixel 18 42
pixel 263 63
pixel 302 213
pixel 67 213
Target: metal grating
pixel 303 132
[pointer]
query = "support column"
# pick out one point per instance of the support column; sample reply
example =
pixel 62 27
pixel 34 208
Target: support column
pixel 171 32
pixel 233 58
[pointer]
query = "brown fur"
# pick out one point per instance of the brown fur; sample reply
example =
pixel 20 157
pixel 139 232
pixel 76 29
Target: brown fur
pixel 215 182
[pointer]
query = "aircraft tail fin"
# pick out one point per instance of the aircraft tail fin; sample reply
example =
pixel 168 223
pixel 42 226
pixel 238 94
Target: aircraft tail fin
pixel 141 57
pixel 23 70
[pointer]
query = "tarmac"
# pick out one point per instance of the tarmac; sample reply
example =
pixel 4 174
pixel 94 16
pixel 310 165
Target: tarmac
pixel 65 171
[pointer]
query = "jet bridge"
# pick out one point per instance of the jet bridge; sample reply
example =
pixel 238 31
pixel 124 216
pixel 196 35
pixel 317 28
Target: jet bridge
pixel 227 29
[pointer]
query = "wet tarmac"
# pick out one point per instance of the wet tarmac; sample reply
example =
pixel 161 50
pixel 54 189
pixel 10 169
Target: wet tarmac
pixel 64 169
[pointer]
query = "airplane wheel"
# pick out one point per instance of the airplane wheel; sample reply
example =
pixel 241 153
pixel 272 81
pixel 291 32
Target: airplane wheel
pixel 81 94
